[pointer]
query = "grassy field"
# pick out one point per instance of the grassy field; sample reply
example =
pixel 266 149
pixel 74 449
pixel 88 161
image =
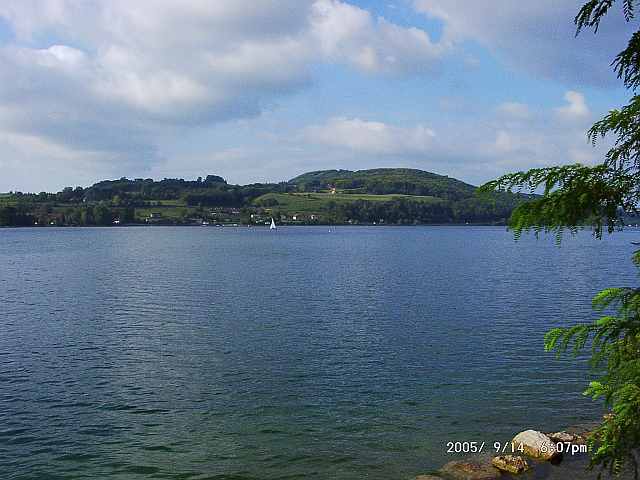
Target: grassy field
pixel 287 203
pixel 165 211
pixel 165 203
pixel 314 202
pixel 7 200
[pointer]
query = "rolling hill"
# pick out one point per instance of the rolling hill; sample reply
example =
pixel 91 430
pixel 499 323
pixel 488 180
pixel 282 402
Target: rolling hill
pixel 381 181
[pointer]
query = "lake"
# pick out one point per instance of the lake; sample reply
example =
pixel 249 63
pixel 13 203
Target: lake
pixel 239 353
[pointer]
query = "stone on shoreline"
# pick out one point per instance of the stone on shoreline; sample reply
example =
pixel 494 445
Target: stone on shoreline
pixel 510 463
pixel 427 477
pixel 561 437
pixel 469 470
pixel 536 444
pixel 564 437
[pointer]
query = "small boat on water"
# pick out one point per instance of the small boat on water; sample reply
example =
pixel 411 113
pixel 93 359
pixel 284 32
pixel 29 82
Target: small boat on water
pixel 273 225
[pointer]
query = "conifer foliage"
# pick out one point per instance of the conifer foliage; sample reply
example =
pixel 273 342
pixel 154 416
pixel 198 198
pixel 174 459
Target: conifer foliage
pixel 576 195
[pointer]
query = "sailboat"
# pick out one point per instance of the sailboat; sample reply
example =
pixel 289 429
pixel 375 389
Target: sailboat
pixel 273 225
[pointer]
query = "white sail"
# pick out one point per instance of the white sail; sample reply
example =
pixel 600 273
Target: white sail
pixel 273 225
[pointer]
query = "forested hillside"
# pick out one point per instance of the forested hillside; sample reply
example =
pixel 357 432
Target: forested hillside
pixel 382 181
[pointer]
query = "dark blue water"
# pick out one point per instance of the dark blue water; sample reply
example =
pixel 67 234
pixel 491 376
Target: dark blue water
pixel 211 353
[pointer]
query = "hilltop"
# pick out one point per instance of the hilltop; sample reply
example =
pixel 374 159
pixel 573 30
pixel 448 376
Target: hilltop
pixel 383 195
pixel 381 181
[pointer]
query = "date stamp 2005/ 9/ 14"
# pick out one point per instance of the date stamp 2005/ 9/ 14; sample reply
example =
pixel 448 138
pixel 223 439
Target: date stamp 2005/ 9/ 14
pixel 513 448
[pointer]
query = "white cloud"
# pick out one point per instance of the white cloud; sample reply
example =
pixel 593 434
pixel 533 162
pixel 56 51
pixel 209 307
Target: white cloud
pixel 60 56
pixel 498 144
pixel 576 107
pixel 175 59
pixel 371 137
pixel 349 34
pixel 535 36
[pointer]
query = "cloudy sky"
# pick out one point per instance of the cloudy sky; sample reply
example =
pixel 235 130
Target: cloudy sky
pixel 262 90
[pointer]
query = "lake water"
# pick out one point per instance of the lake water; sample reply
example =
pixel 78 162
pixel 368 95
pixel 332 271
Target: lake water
pixel 237 353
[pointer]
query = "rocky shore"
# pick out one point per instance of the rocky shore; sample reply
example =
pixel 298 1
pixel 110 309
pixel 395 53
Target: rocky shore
pixel 531 455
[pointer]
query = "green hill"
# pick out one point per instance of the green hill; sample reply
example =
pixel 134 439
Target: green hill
pixel 388 195
pixel 383 181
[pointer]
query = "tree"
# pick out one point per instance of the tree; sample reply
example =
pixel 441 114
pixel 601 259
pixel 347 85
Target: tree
pixel 102 215
pixel 86 216
pixel 12 217
pixel 127 215
pixel 577 195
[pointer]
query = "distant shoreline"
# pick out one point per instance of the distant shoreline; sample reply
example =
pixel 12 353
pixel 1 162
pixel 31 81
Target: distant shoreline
pixel 245 225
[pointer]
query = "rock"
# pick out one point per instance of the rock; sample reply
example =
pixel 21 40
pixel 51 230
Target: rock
pixel 536 445
pixel 428 477
pixel 469 470
pixel 580 440
pixel 562 437
pixel 510 463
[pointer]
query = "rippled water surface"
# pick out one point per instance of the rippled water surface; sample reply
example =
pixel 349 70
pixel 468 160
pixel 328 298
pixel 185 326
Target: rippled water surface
pixel 237 353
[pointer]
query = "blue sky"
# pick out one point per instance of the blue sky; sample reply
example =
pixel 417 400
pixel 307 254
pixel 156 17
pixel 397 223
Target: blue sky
pixel 264 90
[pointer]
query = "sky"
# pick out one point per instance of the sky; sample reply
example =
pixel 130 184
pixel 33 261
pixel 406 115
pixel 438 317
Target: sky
pixel 264 90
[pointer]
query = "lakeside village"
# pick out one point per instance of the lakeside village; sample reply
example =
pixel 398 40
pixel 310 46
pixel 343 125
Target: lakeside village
pixel 216 217
pixel 232 217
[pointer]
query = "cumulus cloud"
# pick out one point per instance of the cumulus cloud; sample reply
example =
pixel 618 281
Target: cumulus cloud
pixel 349 34
pixel 537 36
pixel 181 61
pixel 576 107
pixel 371 137
pixel 497 144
